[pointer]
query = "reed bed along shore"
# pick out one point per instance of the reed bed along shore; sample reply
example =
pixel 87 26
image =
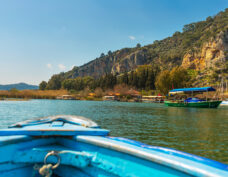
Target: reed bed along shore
pixel 97 95
pixel 32 94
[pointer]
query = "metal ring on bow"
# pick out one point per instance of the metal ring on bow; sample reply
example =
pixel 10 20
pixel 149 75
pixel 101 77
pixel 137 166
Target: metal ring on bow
pixel 53 153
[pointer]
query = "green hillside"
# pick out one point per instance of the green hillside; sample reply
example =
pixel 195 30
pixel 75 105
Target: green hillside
pixel 201 48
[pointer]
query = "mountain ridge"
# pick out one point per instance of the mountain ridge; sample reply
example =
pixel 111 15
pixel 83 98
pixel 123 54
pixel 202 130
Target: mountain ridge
pixel 18 86
pixel 201 46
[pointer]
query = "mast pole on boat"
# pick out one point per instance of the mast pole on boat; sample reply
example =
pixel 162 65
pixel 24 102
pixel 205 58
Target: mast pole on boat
pixel 207 95
pixel 226 86
pixel 222 88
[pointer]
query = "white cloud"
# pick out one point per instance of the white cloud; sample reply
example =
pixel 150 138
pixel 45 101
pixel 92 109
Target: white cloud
pixel 49 66
pixel 131 37
pixel 62 67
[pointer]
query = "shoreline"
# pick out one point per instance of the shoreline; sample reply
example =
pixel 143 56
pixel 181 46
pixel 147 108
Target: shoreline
pixel 127 96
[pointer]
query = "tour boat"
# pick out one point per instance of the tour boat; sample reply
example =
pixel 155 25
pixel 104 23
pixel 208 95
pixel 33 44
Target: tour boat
pixel 191 101
pixel 70 146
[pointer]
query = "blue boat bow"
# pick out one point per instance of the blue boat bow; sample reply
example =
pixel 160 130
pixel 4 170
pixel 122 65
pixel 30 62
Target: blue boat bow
pixel 85 152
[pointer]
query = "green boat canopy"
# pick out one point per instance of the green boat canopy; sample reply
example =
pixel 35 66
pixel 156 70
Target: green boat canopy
pixel 196 89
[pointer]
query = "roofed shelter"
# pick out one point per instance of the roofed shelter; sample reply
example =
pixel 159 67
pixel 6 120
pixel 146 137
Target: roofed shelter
pixel 191 91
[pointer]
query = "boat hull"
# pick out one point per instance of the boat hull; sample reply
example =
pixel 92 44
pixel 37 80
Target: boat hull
pixel 203 104
pixel 82 154
pixel 224 103
pixel 101 156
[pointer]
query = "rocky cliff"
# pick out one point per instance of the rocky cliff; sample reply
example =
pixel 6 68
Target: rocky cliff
pixel 212 53
pixel 120 61
pixel 211 62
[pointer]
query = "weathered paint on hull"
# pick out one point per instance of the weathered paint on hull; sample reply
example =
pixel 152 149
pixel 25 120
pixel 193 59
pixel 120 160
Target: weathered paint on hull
pixel 103 156
pixel 206 104
pixel 87 156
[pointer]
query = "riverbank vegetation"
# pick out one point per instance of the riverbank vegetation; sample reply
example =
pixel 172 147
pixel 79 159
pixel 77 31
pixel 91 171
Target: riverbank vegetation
pixel 145 77
pixel 32 94
pixel 176 78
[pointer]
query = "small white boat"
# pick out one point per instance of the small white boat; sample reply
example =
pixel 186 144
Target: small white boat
pixel 224 103
pixel 153 99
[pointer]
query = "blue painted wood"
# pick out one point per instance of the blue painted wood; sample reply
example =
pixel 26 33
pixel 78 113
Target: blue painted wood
pixel 7 167
pixel 172 152
pixel 8 151
pixel 84 155
pixel 68 171
pixel 68 157
pixel 49 130
pixel 57 124
pixel 120 164
pixel 4 140
pixel 46 132
pixel 73 120
pixel 18 172
pixel 180 161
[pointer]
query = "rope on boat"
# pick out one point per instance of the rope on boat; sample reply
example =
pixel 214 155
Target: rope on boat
pixel 47 169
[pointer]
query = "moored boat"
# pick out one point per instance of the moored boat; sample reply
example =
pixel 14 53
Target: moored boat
pixel 224 103
pixel 190 100
pixel 75 146
pixel 202 104
pixel 153 99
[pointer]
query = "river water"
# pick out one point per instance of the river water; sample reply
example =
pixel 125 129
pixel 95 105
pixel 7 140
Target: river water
pixel 202 131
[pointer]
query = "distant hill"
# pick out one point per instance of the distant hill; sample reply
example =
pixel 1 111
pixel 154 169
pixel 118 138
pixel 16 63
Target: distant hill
pixel 19 86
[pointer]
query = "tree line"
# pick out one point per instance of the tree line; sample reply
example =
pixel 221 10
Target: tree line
pixel 145 77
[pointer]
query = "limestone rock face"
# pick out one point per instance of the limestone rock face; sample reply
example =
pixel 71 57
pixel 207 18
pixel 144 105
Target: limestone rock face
pixel 121 61
pixel 129 62
pixel 212 53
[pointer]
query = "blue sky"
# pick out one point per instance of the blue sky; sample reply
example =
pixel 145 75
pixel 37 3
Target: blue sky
pixel 39 38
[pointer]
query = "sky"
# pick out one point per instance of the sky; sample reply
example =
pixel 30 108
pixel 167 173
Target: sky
pixel 39 38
